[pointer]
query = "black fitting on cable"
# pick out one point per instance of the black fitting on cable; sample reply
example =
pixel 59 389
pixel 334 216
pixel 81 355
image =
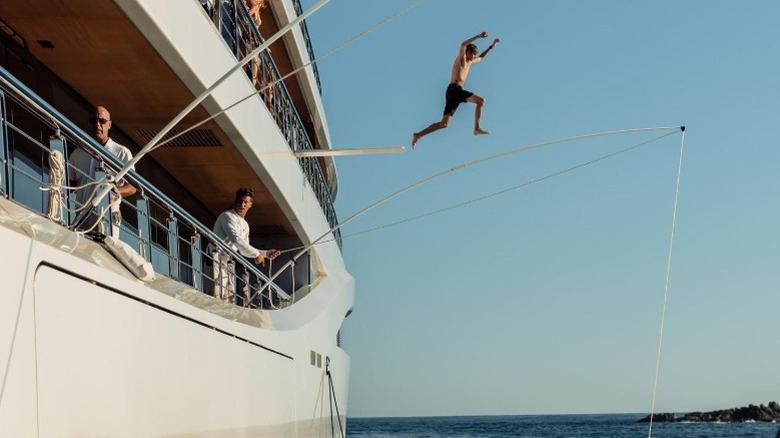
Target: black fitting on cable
pixel 682 128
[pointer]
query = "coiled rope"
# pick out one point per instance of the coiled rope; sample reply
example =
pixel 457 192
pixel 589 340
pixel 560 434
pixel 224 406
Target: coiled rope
pixel 56 177
pixel 57 205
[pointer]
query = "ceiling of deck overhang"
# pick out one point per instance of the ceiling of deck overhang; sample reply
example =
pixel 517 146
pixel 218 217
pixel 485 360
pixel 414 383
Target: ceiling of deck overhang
pixel 141 93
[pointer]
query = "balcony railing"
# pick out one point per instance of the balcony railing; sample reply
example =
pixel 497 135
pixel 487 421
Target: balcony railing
pixel 177 245
pixel 309 48
pixel 238 29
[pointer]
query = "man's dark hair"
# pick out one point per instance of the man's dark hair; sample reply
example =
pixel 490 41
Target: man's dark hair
pixel 242 192
pixel 472 48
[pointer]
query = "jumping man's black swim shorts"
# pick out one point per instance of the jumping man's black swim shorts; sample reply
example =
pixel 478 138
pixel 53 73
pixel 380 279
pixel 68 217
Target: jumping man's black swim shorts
pixel 455 96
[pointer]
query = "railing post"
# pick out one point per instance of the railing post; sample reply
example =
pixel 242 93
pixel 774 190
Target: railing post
pixel 245 289
pixel 102 213
pixel 220 272
pixel 233 280
pixel 236 32
pixel 197 261
pixel 5 179
pixel 173 246
pixel 292 281
pixel 144 230
pixel 57 143
pixel 116 218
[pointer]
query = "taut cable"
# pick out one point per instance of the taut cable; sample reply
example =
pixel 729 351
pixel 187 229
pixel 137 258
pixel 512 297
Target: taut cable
pixel 666 287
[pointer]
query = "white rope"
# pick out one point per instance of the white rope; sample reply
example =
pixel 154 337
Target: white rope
pixel 57 204
pixel 455 169
pixel 56 177
pixel 666 287
pixel 507 190
pixel 98 223
pixel 49 186
pixel 490 195
pixel 313 61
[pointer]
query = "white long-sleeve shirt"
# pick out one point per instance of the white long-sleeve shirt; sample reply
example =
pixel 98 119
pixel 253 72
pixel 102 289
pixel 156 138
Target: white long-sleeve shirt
pixel 234 230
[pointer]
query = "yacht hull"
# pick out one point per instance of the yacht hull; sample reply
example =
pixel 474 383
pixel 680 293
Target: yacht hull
pixel 88 350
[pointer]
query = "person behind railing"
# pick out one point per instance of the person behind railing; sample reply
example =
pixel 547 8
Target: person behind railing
pixel 82 169
pixel 208 6
pixel 232 227
pixel 227 23
pixel 254 7
pixel 261 76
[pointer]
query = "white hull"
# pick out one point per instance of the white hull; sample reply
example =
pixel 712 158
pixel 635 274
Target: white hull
pixel 87 349
pixel 91 351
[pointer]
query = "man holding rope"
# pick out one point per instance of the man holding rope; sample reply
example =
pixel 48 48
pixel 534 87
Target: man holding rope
pixel 231 226
pixel 456 95
pixel 83 165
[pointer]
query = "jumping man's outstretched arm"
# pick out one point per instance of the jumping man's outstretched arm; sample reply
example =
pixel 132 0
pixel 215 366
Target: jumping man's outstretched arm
pixel 474 38
pixel 490 47
pixel 471 40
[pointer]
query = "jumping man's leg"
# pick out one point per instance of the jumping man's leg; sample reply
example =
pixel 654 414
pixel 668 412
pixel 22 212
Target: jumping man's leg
pixel 435 126
pixel 480 102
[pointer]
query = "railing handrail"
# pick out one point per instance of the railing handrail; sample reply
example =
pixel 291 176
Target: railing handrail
pixel 60 121
pixel 309 47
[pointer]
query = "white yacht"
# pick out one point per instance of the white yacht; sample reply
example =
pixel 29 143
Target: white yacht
pixel 90 348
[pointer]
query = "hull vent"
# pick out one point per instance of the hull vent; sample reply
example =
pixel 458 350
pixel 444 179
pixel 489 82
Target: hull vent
pixel 266 230
pixel 192 139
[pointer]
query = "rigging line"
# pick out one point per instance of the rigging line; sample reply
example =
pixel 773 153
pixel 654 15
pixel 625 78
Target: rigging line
pixel 666 287
pixel 455 169
pixel 494 194
pixel 206 93
pixel 16 323
pixel 330 400
pixel 319 403
pixel 509 189
pixel 318 59
pixel 334 401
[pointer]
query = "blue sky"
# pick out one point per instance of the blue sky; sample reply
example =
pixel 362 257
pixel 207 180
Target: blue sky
pixel 548 299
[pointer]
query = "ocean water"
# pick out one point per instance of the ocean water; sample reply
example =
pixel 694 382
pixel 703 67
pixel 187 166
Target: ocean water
pixel 548 426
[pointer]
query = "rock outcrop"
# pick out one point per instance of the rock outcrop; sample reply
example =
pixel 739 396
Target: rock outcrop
pixel 660 418
pixel 762 413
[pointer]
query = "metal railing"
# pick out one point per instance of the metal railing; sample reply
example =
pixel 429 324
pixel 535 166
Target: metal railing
pixel 240 32
pixel 177 245
pixel 309 48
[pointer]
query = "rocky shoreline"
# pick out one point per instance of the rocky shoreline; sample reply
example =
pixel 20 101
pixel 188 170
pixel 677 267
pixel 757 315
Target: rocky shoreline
pixel 768 413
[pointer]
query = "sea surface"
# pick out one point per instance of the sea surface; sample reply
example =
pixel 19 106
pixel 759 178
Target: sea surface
pixel 549 426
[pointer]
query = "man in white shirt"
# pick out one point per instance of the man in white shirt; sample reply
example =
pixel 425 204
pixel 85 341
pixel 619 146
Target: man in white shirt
pixel 234 230
pixel 82 164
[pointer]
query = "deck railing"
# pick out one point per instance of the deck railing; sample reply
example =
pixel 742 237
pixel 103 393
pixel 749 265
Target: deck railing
pixel 177 245
pixel 238 29
pixel 307 39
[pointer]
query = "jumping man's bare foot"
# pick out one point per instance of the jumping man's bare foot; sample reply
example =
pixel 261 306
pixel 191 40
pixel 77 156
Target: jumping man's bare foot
pixel 415 139
pixel 480 131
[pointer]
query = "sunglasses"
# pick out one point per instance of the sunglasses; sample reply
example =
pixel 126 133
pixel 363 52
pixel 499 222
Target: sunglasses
pixel 100 120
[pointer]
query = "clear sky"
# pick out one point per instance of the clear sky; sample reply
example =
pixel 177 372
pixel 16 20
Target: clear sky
pixel 548 299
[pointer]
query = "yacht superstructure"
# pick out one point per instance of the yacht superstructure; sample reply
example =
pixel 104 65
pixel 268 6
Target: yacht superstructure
pixel 88 349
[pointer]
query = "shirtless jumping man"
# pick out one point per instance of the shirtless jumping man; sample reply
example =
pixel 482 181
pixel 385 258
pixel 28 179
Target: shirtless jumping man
pixel 455 92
